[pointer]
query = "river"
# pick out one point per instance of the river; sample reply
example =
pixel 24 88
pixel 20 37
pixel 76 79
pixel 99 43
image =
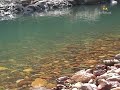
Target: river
pixel 39 40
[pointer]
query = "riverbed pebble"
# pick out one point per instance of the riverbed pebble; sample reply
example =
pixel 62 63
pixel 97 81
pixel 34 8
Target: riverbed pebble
pixel 82 76
pixel 104 76
pixel 117 56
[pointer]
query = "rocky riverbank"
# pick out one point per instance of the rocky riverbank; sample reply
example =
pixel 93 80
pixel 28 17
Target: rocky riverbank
pixel 15 7
pixel 104 76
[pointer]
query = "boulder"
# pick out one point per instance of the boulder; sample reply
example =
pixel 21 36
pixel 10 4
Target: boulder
pixel 82 76
pixel 39 83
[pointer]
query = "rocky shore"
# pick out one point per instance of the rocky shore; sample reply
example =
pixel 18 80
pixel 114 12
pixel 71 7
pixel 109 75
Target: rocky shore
pixel 104 76
pixel 12 7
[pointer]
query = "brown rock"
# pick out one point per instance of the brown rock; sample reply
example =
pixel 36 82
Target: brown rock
pixel 104 86
pixel 99 72
pixel 88 87
pixel 117 65
pixel 91 62
pixel 39 83
pixel 114 84
pixel 117 88
pixel 117 56
pixel 28 70
pixel 22 82
pixel 101 66
pixel 50 85
pixel 82 77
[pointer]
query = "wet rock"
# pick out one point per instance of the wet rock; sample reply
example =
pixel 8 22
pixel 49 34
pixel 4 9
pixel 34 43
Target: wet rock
pixel 77 85
pixel 74 88
pixel 99 72
pixel 82 76
pixel 117 65
pixel 117 71
pixel 107 75
pixel 39 83
pixel 87 86
pixel 117 88
pixel 114 84
pixel 92 81
pixel 104 86
pixel 101 66
pixel 3 68
pixel 22 82
pixel 17 8
pixel 61 80
pixel 40 88
pixel 111 68
pixel 59 87
pixel 2 88
pixel 111 62
pixel 89 71
pixel 25 2
pixel 50 85
pixel 28 70
pixel 114 78
pixel 117 56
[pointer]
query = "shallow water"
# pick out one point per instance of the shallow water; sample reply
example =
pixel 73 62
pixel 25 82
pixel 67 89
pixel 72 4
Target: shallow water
pixel 44 34
pixel 50 32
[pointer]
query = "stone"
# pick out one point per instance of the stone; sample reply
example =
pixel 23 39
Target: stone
pixel 104 86
pixel 91 62
pixel 59 87
pixel 117 65
pixel 87 86
pixel 3 68
pixel 114 84
pixel 117 88
pixel 99 72
pixel 101 66
pixel 77 85
pixel 22 82
pixel 28 70
pixel 114 78
pixel 40 88
pixel 117 56
pixel 61 80
pixel 117 71
pixel 74 89
pixel 25 2
pixel 50 85
pixel 89 71
pixel 39 83
pixel 82 76
pixel 111 62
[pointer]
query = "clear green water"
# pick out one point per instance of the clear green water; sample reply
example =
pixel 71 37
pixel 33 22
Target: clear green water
pixel 24 41
pixel 47 34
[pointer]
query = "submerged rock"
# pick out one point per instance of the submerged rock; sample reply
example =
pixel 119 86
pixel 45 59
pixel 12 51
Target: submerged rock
pixel 22 82
pixel 3 68
pixel 28 70
pixel 39 83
